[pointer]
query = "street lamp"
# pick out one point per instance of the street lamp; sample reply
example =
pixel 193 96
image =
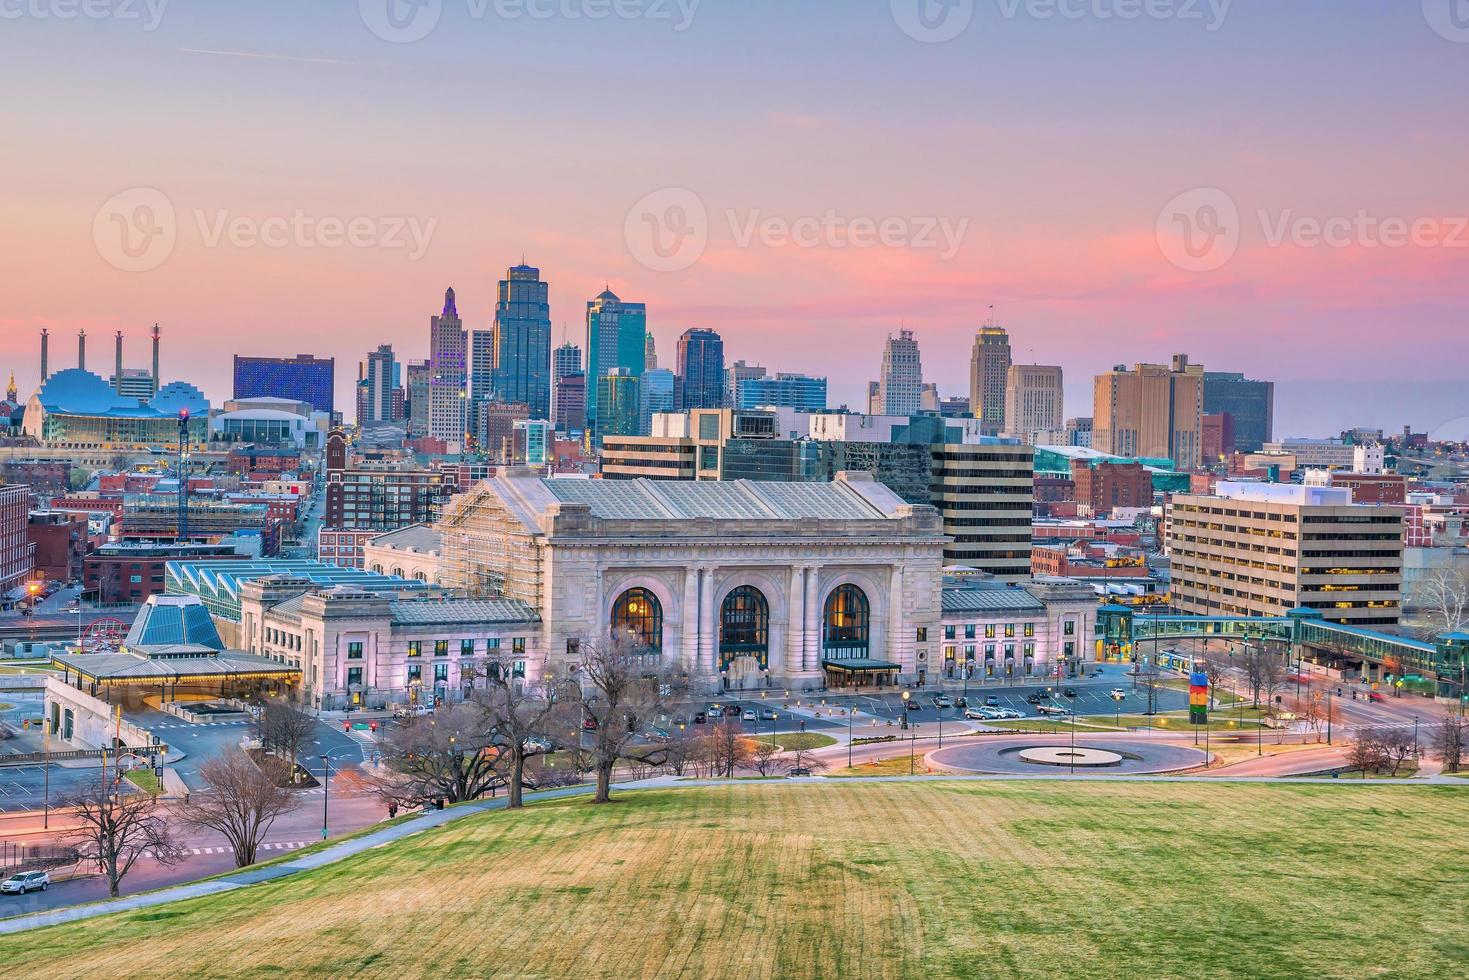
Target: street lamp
pixel 904 719
pixel 912 747
pixel 326 775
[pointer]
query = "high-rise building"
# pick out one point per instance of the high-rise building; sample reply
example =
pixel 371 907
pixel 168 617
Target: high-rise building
pixel 1263 549
pixel 303 378
pixel 1033 403
pixel 799 391
pixel 900 386
pixel 492 423
pixel 481 364
pixel 985 489
pixel 656 393
pixel 418 387
pixel 533 441
pixel 1153 410
pixel 448 374
pixel 382 388
pixel 523 341
pixel 136 383
pixel 700 369
pixel 650 355
pixel 565 360
pixel 736 374
pixel 1250 405
pixel 619 399
pixel 989 366
pixel 570 411
pixel 617 337
pixel 1079 432
pixel 17 552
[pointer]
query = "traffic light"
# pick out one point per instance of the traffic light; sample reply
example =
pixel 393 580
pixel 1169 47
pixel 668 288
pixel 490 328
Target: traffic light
pixel 373 726
pixel 346 727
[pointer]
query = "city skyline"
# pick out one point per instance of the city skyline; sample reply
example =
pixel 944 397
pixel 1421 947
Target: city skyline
pixel 1067 254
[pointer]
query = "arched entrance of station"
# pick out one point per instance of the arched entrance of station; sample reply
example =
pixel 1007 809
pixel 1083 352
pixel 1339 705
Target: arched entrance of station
pixel 744 640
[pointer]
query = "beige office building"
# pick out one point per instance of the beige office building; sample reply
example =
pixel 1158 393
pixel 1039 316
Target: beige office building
pixel 1153 410
pixel 1263 549
pixel 989 366
pixel 1033 402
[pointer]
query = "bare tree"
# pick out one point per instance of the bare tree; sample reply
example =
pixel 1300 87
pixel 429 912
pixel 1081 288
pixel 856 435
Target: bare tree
pixel 767 758
pixel 243 800
pixel 449 756
pixel 283 727
pixel 621 687
pixel 1366 751
pixel 1216 668
pixel 115 828
pixel 520 724
pixel 1398 744
pixel 808 760
pixel 729 749
pixel 1449 737
pixel 1313 712
pixel 1264 669
pixel 1441 602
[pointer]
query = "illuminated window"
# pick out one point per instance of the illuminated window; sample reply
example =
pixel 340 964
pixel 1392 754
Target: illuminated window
pixel 638 616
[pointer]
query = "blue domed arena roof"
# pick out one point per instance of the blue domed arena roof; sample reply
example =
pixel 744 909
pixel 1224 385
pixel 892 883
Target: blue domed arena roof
pixel 77 392
pixel 177 396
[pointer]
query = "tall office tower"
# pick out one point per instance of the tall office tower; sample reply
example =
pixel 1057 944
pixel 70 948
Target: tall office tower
pixel 380 382
pixel 984 486
pixel 799 391
pixel 1079 432
pixel 655 394
pixel 989 367
pixel 700 369
pixel 570 411
pixel 448 375
pixel 617 337
pixel 735 376
pixel 619 395
pixel 481 364
pixel 1264 549
pixel 418 384
pixel 1251 405
pixel 900 387
pixel 1154 411
pixel 650 355
pixel 1033 403
pixel 302 378
pixel 565 360
pixel 523 341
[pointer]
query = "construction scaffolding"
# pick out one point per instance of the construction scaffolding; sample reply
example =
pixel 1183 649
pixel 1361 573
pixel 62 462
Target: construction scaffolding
pixel 487 550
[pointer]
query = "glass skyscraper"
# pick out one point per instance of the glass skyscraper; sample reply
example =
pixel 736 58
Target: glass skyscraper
pixel 522 371
pixel 303 378
pixel 617 337
pixel 701 369
pixel 1250 403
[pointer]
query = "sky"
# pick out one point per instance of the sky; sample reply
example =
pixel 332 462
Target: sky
pixel 1277 188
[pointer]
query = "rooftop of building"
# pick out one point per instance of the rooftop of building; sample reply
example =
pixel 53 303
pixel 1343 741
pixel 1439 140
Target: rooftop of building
pixel 173 624
pixel 420 538
pixel 226 577
pixel 74 391
pixel 727 500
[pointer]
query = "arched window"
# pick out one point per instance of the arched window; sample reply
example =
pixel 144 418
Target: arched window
pixel 744 625
pixel 637 614
pixel 847 621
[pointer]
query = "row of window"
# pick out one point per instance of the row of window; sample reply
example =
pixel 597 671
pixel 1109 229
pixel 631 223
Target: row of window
pixel 441 647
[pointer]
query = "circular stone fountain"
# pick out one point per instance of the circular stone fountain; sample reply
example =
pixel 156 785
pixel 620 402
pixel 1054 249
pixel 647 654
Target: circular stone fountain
pixel 1063 755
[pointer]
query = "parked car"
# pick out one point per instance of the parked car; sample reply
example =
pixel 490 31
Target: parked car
pixel 658 735
pixel 1053 710
pixel 961 702
pixel 589 724
pixel 700 717
pixel 732 710
pixel 912 705
pixel 413 711
pixel 1070 692
pixel 942 701
pixel 1117 692
pixel 1035 697
pixel 767 714
pixel 1005 713
pixel 25 881
pixel 992 700
pixel 982 714
pixel 749 715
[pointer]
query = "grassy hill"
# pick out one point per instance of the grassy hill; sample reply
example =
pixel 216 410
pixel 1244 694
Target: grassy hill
pixel 850 880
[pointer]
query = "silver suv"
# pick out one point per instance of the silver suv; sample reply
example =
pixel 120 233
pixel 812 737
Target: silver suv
pixel 25 881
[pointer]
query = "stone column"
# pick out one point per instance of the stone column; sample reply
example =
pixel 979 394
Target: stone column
pixel 708 637
pixel 896 620
pixel 689 613
pixel 813 619
pixel 795 651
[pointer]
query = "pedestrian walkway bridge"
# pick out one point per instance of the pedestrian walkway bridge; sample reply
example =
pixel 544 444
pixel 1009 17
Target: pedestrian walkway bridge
pixel 1309 636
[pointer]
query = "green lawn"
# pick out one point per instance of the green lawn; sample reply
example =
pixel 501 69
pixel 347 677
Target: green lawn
pixel 794 741
pixel 144 779
pixel 848 879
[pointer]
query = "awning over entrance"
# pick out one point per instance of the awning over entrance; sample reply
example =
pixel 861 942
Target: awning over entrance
pixel 860 665
pixel 132 668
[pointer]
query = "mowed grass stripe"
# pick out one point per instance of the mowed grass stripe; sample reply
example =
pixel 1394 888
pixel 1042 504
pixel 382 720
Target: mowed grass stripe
pixel 852 880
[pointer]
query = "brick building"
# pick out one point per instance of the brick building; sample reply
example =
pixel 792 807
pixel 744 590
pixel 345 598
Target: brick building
pixel 17 554
pixel 60 541
pixel 1373 488
pixel 1103 487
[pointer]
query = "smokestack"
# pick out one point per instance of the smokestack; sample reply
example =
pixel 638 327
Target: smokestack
pixel 117 381
pixel 157 383
pixel 82 349
pixel 45 344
